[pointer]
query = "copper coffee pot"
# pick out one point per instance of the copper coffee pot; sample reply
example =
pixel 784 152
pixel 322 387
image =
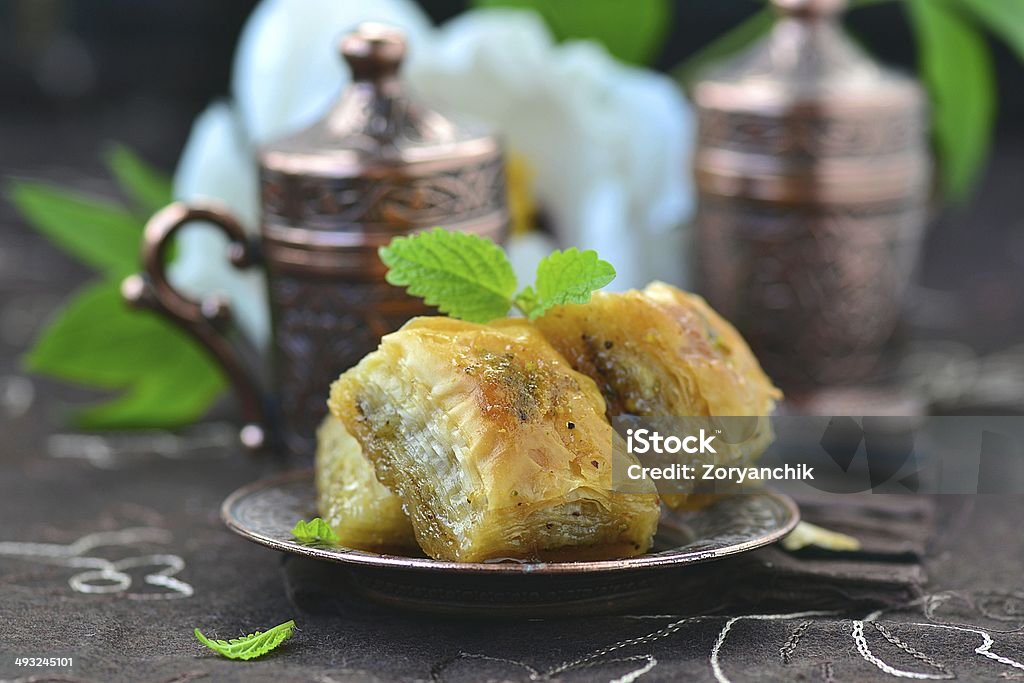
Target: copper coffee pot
pixel 376 166
pixel 814 176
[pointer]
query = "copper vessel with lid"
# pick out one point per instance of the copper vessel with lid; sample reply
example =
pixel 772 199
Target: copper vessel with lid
pixel 376 166
pixel 814 175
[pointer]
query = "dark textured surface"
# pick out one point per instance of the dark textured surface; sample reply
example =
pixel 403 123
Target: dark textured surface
pixel 144 634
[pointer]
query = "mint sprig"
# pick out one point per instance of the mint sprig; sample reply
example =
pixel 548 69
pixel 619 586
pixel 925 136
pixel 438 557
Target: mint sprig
pixel 470 278
pixel 314 532
pixel 251 646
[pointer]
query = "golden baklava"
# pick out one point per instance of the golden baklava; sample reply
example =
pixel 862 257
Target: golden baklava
pixel 663 352
pixel 495 446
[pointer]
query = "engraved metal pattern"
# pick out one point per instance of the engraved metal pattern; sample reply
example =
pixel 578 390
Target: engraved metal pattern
pixel 816 290
pixel 321 328
pixel 446 197
pixel 265 512
pixel 846 134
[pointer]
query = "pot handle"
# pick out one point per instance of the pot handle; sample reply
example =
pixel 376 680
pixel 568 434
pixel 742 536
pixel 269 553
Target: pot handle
pixel 208 320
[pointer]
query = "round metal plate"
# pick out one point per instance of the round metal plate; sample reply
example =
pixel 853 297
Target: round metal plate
pixel 266 511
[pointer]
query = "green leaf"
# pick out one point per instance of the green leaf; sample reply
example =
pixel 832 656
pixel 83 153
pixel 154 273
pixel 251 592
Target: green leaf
pixel 1005 18
pixel 149 188
pixel 957 68
pixel 465 276
pixel 96 339
pixel 727 44
pixel 565 277
pixel 806 534
pixel 251 646
pixel 633 31
pixel 314 532
pixel 99 233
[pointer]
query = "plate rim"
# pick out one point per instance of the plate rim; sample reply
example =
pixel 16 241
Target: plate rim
pixel 351 556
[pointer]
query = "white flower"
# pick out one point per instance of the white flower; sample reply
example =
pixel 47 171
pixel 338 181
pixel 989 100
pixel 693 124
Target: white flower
pixel 287 69
pixel 218 163
pixel 607 144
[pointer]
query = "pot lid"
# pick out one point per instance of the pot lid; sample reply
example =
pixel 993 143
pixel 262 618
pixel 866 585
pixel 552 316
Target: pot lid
pixel 806 59
pixel 375 127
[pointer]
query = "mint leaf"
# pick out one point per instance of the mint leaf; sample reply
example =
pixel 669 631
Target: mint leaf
pixel 565 277
pixel 98 233
pixel 632 31
pixel 96 339
pixel 315 531
pixel 145 185
pixel 957 68
pixel 1005 19
pixel 465 276
pixel 251 646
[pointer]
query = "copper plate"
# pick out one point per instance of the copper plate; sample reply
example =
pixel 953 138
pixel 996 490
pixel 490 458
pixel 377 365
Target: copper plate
pixel 266 511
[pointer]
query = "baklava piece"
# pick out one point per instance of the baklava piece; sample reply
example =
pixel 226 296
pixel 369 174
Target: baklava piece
pixel 661 352
pixel 495 446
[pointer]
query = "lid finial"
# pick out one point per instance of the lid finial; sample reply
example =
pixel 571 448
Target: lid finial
pixel 373 51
